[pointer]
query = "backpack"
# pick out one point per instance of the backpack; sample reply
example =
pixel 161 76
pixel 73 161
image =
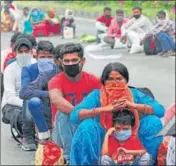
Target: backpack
pixel 152 45
pixel 144 90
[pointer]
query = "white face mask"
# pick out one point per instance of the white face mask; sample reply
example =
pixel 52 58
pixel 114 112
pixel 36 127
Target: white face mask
pixel 23 59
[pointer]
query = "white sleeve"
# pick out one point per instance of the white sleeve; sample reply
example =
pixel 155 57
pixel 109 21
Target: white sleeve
pixel 9 87
pixel 100 26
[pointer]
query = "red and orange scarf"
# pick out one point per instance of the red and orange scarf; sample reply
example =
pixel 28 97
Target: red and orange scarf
pixel 111 92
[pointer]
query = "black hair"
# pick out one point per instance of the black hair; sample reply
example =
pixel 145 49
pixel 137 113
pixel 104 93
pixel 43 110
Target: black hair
pixel 125 117
pixel 26 8
pixel 6 10
pixel 137 7
pixel 119 11
pixel 71 48
pixel 29 37
pixel 116 66
pixel 45 45
pixel 57 50
pixel 14 37
pixel 23 45
pixel 161 12
pixel 107 8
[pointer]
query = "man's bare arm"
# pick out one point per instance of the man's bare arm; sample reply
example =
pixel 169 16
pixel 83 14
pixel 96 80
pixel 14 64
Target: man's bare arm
pixel 62 104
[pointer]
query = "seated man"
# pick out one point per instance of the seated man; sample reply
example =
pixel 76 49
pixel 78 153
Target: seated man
pixel 68 21
pixel 103 23
pixel 114 32
pixel 11 57
pixel 9 52
pixel 66 90
pixel 165 30
pixel 11 103
pixel 135 30
pixel 30 74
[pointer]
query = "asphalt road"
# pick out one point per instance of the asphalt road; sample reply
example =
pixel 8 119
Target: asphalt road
pixel 153 72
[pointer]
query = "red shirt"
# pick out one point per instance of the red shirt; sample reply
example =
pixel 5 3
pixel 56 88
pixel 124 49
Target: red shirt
pixel 105 20
pixel 133 143
pixel 74 92
pixel 10 56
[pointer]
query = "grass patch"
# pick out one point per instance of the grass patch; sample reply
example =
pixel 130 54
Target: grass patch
pixel 150 8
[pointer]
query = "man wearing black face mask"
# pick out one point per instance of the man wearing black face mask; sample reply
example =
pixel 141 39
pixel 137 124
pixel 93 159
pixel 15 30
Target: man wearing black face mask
pixel 114 32
pixel 103 23
pixel 66 90
pixel 135 30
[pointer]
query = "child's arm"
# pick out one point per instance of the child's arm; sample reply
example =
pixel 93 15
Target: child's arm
pixel 132 152
pixel 105 149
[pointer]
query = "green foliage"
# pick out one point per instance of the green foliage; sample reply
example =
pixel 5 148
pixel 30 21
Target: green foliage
pixel 150 8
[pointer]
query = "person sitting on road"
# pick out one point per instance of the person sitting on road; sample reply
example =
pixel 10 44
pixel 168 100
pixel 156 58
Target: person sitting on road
pixel 12 56
pixel 6 21
pixel 135 30
pixel 25 25
pixel 36 16
pixel 14 11
pixel 31 75
pixel 52 17
pixel 68 89
pixel 9 51
pixel 36 94
pixel 102 24
pixel 121 144
pixel 114 32
pixel 11 103
pixel 89 136
pixel 165 30
pixel 68 21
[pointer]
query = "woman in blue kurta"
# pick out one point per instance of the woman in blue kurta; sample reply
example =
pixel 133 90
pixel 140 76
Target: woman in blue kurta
pixel 88 139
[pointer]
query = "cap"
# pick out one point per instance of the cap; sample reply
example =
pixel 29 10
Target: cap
pixel 22 41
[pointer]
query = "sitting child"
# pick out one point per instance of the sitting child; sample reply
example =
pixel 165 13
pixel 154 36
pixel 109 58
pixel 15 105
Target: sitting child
pixel 121 144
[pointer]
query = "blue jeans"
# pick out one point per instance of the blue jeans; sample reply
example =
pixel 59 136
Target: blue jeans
pixel 167 42
pixel 28 123
pixel 63 133
pixel 145 159
pixel 41 114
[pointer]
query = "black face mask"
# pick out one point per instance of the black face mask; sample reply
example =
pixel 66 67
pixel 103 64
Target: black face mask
pixel 107 16
pixel 72 70
pixel 137 16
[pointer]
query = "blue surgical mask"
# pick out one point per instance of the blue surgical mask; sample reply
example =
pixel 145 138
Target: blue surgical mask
pixel 123 135
pixel 45 64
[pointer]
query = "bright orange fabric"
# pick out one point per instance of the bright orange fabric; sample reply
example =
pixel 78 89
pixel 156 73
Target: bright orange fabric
pixel 112 92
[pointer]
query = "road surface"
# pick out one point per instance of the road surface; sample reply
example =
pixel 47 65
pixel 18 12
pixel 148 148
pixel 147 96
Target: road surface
pixel 153 72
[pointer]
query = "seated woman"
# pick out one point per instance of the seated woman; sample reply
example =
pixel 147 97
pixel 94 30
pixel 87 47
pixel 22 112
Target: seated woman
pixel 68 21
pixel 6 21
pixel 36 16
pixel 88 139
pixel 52 17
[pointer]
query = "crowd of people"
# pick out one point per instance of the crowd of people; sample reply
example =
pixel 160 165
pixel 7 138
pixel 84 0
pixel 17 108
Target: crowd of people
pixel 24 21
pixel 85 119
pixel 69 116
pixel 135 33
